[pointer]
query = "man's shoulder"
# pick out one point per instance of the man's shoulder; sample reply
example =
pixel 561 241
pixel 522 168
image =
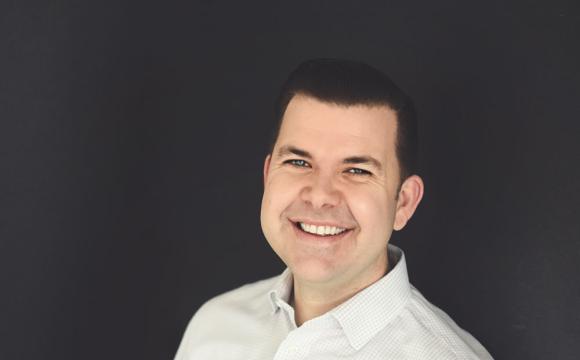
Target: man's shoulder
pixel 225 315
pixel 440 331
pixel 243 301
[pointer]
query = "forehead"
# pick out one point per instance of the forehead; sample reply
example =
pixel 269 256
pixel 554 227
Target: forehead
pixel 336 129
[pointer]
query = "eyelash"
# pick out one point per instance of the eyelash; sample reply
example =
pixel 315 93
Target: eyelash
pixel 359 171
pixel 353 171
pixel 294 162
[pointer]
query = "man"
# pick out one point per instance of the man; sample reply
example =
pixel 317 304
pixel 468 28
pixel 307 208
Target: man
pixel 338 180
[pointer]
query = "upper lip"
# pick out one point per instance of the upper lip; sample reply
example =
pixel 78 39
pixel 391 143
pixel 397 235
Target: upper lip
pixel 320 223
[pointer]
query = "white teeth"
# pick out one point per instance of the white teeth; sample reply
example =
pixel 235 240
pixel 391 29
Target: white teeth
pixel 321 230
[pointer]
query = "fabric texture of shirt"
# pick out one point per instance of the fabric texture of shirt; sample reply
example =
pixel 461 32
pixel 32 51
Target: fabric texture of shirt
pixel 388 320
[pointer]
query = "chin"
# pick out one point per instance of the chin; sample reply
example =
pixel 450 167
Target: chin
pixel 313 270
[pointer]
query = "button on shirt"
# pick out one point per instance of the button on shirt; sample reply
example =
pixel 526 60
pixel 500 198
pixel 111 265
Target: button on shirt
pixel 388 320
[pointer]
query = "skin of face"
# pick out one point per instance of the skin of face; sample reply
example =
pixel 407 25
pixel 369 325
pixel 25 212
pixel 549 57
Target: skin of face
pixel 335 165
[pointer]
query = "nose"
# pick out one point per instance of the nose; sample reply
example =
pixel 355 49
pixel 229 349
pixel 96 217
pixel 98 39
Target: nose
pixel 320 191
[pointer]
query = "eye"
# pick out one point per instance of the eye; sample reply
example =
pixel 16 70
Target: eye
pixel 357 171
pixel 297 163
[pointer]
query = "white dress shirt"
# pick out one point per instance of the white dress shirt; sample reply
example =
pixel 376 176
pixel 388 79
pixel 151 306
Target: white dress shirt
pixel 388 320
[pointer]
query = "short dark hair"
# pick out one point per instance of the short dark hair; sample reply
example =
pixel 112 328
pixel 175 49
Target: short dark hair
pixel 348 83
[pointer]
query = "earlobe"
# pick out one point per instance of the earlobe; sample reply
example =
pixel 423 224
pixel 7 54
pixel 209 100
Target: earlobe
pixel 266 167
pixel 410 196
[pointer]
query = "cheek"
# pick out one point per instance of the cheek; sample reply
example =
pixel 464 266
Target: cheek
pixel 279 192
pixel 371 209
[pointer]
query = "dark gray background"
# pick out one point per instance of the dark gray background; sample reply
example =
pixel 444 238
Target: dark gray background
pixel 132 136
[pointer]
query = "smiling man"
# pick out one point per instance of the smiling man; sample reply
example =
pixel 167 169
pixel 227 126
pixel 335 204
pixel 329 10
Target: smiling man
pixel 339 179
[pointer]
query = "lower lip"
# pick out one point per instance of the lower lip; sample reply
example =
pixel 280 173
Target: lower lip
pixel 318 238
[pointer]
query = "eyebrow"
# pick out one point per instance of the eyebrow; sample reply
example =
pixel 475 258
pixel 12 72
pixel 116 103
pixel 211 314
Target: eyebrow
pixel 367 160
pixel 362 159
pixel 289 150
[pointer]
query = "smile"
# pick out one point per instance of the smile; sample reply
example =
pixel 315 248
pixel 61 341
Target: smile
pixel 323 230
pixel 320 230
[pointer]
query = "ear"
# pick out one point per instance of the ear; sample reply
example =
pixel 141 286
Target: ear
pixel 410 196
pixel 266 167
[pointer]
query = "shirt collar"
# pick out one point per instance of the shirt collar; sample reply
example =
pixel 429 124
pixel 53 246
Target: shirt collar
pixel 368 312
pixel 281 290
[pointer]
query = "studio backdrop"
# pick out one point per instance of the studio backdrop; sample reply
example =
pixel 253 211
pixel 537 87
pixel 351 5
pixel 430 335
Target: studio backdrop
pixel 133 134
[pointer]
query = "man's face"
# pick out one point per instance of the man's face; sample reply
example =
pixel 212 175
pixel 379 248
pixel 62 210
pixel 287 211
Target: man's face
pixel 330 191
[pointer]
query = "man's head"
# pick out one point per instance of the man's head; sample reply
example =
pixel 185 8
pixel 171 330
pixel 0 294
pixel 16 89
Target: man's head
pixel 338 179
pixel 347 83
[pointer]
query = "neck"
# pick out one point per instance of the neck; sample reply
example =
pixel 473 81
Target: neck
pixel 311 300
